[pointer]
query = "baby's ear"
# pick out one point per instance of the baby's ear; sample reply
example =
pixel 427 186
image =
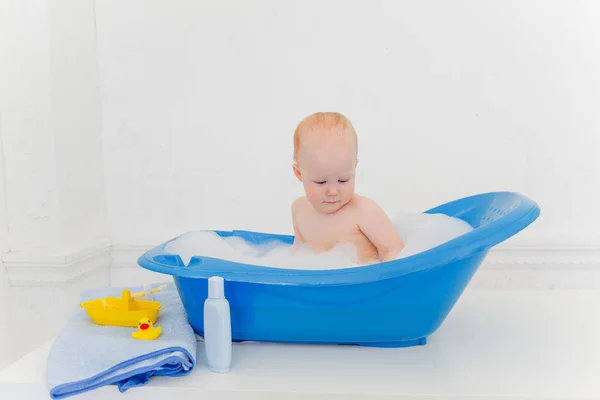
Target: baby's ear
pixel 297 171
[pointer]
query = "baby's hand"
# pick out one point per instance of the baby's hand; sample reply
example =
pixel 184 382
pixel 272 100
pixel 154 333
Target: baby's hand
pixel 375 225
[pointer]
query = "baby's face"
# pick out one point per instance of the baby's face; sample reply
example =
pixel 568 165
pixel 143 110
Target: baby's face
pixel 327 172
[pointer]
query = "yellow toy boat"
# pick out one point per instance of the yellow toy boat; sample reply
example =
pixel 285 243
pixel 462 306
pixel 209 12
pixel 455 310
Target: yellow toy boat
pixel 122 311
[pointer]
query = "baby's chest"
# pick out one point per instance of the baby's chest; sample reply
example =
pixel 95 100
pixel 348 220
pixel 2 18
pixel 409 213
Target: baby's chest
pixel 328 229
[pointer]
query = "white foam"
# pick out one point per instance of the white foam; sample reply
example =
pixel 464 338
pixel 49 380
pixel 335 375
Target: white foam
pixel 420 232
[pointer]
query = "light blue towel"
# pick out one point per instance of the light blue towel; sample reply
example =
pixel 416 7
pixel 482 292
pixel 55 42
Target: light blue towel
pixel 86 356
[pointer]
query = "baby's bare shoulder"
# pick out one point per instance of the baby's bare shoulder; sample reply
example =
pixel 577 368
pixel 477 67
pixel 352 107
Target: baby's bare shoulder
pixel 365 204
pixel 368 210
pixel 299 204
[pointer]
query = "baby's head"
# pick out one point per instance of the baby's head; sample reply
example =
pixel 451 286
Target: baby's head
pixel 325 158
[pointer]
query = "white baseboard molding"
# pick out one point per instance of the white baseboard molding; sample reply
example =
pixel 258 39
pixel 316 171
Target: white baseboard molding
pixel 55 270
pixel 539 267
pixel 548 258
pixel 532 267
pixel 504 268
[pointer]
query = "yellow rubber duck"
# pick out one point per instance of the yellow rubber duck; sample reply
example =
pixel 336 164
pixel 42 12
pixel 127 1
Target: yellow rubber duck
pixel 146 331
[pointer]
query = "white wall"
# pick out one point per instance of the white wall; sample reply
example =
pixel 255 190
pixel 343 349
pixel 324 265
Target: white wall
pixel 139 120
pixel 54 237
pixel 3 210
pixel 5 342
pixel 51 122
pixel 200 100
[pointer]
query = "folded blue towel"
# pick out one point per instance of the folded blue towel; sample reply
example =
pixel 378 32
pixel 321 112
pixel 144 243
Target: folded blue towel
pixel 85 356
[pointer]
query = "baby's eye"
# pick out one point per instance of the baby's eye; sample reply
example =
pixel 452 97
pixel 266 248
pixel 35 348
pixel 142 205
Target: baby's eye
pixel 320 183
pixel 343 180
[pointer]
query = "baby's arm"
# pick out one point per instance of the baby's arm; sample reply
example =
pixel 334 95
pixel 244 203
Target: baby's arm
pixel 298 239
pixel 376 226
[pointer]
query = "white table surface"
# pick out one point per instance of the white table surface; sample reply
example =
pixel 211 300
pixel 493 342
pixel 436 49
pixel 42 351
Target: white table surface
pixel 493 345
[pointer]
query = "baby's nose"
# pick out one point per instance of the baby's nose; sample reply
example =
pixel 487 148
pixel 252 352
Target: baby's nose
pixel 332 191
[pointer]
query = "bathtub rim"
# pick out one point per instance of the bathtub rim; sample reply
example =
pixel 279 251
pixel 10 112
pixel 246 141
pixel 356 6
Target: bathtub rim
pixel 467 245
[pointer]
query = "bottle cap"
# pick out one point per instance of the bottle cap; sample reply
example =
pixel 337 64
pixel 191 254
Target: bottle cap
pixel 216 287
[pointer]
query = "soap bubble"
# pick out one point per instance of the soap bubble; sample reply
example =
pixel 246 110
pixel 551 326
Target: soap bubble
pixel 420 232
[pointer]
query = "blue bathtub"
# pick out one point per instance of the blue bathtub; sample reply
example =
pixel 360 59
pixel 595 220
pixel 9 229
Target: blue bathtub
pixel 392 304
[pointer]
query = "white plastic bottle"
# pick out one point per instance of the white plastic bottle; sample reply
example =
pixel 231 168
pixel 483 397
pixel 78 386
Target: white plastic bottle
pixel 217 327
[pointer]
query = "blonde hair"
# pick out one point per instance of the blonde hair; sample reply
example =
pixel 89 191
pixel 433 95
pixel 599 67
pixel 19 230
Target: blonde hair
pixel 329 123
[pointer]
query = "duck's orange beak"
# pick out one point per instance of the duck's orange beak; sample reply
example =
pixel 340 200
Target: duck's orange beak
pixel 144 326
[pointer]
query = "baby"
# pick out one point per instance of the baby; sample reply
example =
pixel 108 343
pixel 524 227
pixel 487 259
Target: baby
pixel 325 159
